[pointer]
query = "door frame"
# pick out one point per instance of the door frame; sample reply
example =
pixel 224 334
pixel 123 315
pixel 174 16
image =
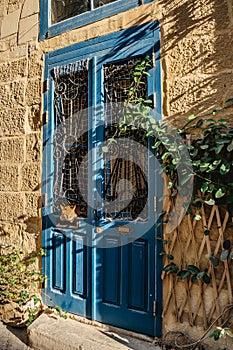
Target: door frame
pixel 115 45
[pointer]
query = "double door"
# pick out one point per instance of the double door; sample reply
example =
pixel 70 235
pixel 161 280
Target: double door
pixel 99 216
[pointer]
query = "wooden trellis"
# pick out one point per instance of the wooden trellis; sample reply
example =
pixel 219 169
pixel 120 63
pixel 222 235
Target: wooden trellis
pixel 193 242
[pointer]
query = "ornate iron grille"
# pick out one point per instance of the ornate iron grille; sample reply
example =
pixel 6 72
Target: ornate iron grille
pixel 124 179
pixel 71 137
pixel 64 9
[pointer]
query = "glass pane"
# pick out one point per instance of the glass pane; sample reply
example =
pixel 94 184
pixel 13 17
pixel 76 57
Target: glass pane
pixel 71 144
pixel 98 3
pixel 125 180
pixel 63 9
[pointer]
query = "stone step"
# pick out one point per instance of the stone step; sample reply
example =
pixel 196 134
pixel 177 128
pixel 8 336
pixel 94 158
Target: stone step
pixel 49 333
pixel 12 338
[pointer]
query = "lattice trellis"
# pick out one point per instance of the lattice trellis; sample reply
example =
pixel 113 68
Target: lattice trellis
pixel 189 245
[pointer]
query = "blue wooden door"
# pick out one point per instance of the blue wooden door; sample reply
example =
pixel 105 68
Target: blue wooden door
pixel 101 261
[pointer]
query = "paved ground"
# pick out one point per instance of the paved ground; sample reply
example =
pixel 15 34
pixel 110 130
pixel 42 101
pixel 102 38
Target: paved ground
pixel 49 333
pixel 12 338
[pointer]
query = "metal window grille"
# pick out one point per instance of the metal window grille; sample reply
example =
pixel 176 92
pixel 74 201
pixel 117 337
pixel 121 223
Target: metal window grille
pixel 71 136
pixel 118 79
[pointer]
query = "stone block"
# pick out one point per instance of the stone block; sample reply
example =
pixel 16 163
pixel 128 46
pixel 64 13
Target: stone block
pixel 33 148
pixel 9 179
pixel 34 118
pixel 12 206
pixel 32 204
pixel 12 94
pixel 30 7
pixel 190 95
pixel 30 177
pixel 222 58
pixel 9 235
pixel 28 29
pixel 18 51
pixel 17 92
pixel 222 14
pixel 12 121
pixel 192 55
pixel 10 24
pixel 12 150
pixel 35 66
pixel 33 225
pixel 33 92
pixel 11 70
pixel 4 45
pixel 199 94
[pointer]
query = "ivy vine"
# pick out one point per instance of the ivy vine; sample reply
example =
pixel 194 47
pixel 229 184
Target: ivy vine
pixel 207 139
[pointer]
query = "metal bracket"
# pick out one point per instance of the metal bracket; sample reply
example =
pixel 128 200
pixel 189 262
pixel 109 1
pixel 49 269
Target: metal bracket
pixel 46 85
pixel 45 117
pixel 155 203
pixel 154 308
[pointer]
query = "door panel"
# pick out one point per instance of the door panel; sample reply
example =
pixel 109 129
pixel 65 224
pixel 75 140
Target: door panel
pixel 79 265
pixel 58 260
pixel 138 275
pixel 131 289
pixel 111 273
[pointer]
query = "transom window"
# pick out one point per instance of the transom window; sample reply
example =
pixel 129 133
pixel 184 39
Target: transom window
pixel 63 9
pixel 62 15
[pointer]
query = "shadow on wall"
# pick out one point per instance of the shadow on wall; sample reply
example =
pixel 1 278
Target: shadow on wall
pixel 197 37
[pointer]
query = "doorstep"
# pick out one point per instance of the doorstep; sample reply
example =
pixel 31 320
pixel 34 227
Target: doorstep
pixel 50 332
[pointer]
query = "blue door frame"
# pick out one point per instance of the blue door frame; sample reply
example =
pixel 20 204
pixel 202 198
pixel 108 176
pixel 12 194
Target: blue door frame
pixel 77 270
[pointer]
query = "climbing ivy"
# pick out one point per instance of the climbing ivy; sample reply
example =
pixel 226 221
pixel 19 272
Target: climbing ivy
pixel 207 140
pixel 19 280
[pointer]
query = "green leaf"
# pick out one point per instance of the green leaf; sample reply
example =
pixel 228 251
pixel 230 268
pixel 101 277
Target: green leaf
pixel 104 149
pixel 225 168
pixel 183 274
pixel 192 117
pixel 166 155
pixel 199 123
pixel 210 201
pixel 206 279
pixel 204 146
pixel 204 186
pixel 169 185
pixel 224 255
pixel 204 167
pixel 170 257
pixel 200 275
pixel 215 334
pixel 218 148
pixel 171 268
pixel 214 261
pixel 194 278
pixel 227 244
pixel 220 192
pixel 193 269
pixel 230 147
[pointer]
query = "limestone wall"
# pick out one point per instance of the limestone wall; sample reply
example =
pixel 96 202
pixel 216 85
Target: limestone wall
pixel 197 76
pixel 20 124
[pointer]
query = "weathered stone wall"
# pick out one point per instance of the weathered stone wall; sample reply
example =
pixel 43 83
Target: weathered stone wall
pixel 197 76
pixel 20 125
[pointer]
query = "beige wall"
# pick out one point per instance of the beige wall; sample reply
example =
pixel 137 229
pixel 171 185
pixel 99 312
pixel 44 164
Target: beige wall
pixel 197 75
